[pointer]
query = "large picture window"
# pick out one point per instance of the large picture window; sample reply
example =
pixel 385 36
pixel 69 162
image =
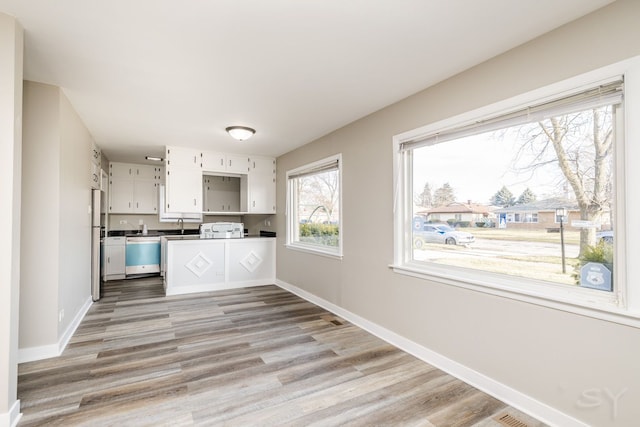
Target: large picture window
pixel 522 200
pixel 313 207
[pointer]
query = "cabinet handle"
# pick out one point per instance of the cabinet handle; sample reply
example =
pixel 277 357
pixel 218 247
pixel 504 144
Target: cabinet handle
pixel 229 162
pixel 137 205
pixel 254 165
pixel 254 203
pixel 129 204
pixel 221 162
pixel 109 260
pixel 194 202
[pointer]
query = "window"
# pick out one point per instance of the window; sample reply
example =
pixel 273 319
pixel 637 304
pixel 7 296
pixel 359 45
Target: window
pixel 559 148
pixel 314 207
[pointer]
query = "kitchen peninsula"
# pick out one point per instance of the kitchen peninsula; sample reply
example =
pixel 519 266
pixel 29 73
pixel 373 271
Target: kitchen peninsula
pixel 191 264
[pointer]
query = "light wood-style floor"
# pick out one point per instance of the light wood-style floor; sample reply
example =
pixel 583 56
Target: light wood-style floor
pixel 244 357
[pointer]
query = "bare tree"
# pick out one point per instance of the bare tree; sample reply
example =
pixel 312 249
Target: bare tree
pixel 581 146
pixel 321 191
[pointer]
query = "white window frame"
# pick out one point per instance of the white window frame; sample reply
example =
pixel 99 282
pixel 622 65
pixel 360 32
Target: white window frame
pixel 292 205
pixel 620 306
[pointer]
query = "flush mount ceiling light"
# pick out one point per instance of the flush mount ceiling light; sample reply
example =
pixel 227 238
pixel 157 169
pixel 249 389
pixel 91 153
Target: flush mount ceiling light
pixel 153 158
pixel 240 132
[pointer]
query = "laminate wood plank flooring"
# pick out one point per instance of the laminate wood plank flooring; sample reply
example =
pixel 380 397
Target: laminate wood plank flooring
pixel 257 356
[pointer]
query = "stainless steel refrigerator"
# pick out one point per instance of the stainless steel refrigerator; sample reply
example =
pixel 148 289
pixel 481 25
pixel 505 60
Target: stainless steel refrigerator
pixel 96 227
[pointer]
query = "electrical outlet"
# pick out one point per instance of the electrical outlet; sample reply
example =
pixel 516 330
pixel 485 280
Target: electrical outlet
pixel 141 222
pixel 123 221
pixel 268 223
pixel 61 315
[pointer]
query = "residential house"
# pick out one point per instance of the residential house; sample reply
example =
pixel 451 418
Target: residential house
pixel 457 212
pixel 539 215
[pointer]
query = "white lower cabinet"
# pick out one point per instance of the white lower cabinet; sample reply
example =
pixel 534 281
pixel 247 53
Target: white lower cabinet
pixel 113 258
pixel 201 265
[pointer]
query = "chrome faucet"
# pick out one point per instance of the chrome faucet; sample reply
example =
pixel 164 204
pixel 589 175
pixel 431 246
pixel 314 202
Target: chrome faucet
pixel 181 222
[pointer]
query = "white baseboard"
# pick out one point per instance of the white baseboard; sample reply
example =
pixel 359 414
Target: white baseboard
pixel 510 396
pixel 30 354
pixel 11 418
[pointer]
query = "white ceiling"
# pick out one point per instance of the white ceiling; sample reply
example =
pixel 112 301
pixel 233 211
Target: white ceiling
pixel 143 74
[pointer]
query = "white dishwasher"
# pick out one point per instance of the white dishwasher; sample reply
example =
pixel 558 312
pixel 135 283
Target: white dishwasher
pixel 142 255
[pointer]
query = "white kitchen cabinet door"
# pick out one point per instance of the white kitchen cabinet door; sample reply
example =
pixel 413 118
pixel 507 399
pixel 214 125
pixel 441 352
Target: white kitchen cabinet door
pixel 183 190
pixel 145 196
pixel 262 185
pixel 133 188
pixel 213 162
pixel 147 172
pixel 120 195
pixel 237 163
pixel 262 165
pixel 121 170
pixel 262 194
pixel 96 154
pixel 95 178
pixel 179 157
pixel 114 261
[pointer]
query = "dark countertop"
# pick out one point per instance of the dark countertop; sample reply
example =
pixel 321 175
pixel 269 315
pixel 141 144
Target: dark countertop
pixel 187 232
pixel 152 233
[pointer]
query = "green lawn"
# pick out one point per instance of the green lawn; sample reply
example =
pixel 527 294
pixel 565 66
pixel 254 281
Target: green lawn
pixel 570 236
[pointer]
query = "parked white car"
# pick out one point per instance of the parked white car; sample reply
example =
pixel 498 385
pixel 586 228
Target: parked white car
pixel 441 233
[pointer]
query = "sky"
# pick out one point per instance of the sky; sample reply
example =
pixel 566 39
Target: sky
pixel 478 166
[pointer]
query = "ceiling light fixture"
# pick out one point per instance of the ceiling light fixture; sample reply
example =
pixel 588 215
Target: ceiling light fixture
pixel 240 132
pixel 155 159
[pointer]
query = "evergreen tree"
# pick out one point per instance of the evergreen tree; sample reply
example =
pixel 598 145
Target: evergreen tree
pixel 444 195
pixel 527 196
pixel 426 198
pixel 503 198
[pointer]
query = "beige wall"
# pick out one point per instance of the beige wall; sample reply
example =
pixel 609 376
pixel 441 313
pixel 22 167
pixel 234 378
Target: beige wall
pixel 55 262
pixel 40 259
pixel 11 47
pixel 549 355
pixel 74 288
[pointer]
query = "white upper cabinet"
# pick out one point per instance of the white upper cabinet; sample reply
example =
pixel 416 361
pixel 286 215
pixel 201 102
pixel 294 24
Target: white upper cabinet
pixel 94 166
pixel 183 157
pixel 213 161
pixel 221 162
pixel 183 180
pixel 237 163
pixel 262 165
pixel 96 154
pixel 262 185
pixel 243 184
pixel 133 188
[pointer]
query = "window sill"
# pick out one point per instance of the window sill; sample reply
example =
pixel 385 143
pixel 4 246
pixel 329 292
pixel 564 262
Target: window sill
pixel 579 301
pixel 313 250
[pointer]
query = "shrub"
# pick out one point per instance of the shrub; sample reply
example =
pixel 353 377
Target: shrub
pixel 601 253
pixel 322 234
